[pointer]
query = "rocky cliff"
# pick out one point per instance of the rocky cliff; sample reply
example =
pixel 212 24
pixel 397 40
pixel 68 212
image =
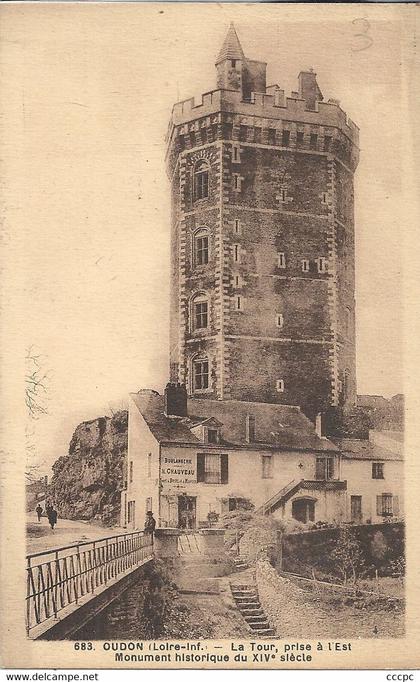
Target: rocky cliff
pixel 86 484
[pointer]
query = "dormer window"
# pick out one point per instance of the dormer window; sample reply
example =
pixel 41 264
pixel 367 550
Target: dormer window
pixel 213 435
pixel 201 180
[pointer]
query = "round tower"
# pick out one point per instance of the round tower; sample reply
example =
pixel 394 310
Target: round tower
pixel 262 255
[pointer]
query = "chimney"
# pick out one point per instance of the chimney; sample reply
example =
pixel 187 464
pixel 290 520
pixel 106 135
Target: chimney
pixel 176 400
pixel 319 425
pixel 308 89
pixel 250 428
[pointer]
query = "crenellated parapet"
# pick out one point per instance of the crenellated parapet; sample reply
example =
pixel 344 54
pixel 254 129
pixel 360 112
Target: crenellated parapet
pixel 265 117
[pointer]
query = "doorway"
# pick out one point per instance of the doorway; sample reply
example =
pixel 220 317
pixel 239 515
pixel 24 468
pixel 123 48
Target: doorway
pixel 303 510
pixel 187 512
pixel 356 508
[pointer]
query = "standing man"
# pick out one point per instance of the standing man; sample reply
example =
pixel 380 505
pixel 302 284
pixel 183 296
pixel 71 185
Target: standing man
pixel 150 524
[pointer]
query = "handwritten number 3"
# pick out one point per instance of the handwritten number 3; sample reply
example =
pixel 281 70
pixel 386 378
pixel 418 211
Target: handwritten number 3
pixel 365 40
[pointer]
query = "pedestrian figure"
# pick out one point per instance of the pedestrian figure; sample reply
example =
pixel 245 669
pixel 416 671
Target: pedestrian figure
pixel 52 517
pixel 150 524
pixel 38 510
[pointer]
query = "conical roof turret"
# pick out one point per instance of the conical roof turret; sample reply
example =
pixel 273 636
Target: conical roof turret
pixel 231 48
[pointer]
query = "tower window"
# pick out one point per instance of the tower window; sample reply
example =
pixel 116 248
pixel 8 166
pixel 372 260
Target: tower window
pixel 322 264
pixel 313 141
pixel 200 374
pixel 305 265
pixel 236 154
pixel 201 180
pixel 281 257
pixel 239 303
pixel 236 253
pixel 285 138
pixel 237 181
pixel 299 138
pixel 199 312
pixel 233 63
pixel 237 280
pixel 324 198
pixel 279 320
pixel 237 226
pixel 201 249
pixel 280 385
pixel 200 315
pixel 327 142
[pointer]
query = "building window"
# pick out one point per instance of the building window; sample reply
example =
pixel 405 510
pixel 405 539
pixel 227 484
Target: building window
pixel 313 141
pixel 237 281
pixel 212 468
pixel 201 248
pixel 201 180
pixel 237 226
pixel 279 320
pixel 280 385
pixel 200 374
pixel 285 138
pixel 130 477
pixel 212 435
pixel 324 199
pixel 327 142
pixel 234 503
pixel 131 511
pixel 236 253
pixel 283 195
pixel 378 470
pixel 200 312
pixel 281 257
pixel 299 138
pixel 324 469
pixel 305 265
pixel 384 505
pixel 149 504
pixel 233 63
pixel 237 180
pixel 149 465
pixel 236 154
pixel 267 466
pixel 322 264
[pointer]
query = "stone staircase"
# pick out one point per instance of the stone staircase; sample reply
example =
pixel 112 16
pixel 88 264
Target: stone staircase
pixel 248 602
pixel 241 563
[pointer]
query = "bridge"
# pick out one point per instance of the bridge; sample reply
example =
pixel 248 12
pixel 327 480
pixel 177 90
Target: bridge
pixel 69 585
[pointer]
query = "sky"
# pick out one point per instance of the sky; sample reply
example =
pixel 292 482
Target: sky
pixel 95 88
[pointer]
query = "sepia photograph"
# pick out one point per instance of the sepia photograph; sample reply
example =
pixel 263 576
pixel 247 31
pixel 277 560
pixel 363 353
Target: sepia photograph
pixel 211 327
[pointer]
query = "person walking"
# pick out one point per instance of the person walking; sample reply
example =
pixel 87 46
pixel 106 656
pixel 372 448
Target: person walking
pixel 52 517
pixel 38 510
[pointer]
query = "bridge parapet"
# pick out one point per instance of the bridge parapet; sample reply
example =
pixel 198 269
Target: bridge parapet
pixel 62 581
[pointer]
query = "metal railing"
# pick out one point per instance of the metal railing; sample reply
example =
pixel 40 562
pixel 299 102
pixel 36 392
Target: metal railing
pixel 64 576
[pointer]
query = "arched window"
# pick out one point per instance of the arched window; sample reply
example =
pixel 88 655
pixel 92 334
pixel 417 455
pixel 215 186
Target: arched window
pixel 201 247
pixel 200 373
pixel 199 312
pixel 201 180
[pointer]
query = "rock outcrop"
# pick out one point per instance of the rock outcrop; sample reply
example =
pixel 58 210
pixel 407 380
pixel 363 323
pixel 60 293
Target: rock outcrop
pixel 87 483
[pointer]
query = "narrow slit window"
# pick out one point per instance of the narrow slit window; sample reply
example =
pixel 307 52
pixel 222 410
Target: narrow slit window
pixel 236 154
pixel 237 226
pixel 280 385
pixel 322 264
pixel 305 265
pixel 236 253
pixel 281 260
pixel 279 320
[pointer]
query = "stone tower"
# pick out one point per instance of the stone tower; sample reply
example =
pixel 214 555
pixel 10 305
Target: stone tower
pixel 262 254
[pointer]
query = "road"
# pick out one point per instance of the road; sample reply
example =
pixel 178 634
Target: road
pixel 40 536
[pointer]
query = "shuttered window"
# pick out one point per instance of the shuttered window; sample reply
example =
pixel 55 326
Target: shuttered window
pixel 212 468
pixel 384 506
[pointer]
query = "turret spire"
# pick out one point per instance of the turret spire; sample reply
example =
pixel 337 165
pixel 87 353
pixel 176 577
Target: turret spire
pixel 231 48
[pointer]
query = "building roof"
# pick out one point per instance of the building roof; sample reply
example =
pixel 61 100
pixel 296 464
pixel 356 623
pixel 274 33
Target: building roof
pixel 282 427
pixel 353 448
pixel 231 48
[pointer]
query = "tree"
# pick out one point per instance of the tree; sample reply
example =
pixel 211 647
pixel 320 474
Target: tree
pixel 347 555
pixel 37 382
